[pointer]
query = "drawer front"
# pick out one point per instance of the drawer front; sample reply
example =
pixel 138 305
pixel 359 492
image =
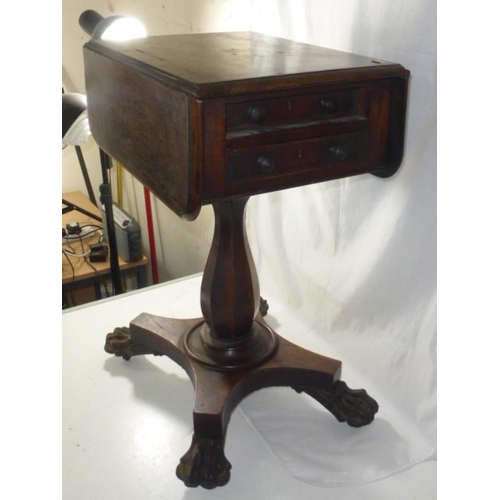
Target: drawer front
pixel 257 114
pixel 293 158
pixel 301 143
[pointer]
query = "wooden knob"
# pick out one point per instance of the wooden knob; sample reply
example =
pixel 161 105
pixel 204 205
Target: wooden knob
pixel 257 113
pixel 329 104
pixel 266 166
pixel 338 152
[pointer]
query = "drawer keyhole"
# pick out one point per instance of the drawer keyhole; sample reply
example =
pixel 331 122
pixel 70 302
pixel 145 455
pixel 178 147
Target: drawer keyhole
pixel 257 114
pixel 338 152
pixel 266 166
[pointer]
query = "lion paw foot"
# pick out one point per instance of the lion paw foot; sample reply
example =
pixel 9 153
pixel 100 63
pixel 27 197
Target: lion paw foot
pixel 355 407
pixel 263 307
pixel 120 343
pixel 204 464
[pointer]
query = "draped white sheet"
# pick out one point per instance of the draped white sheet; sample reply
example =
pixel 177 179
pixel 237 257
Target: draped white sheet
pixel 356 260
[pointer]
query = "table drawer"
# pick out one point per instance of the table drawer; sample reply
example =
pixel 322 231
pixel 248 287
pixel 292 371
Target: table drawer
pixel 287 158
pixel 263 113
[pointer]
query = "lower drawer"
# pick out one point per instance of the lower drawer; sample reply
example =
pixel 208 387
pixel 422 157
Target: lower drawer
pixel 296 157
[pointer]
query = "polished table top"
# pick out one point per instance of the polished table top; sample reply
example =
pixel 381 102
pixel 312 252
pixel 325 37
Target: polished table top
pixel 230 63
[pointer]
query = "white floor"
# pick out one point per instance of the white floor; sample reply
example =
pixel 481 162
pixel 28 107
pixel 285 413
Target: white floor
pixel 126 424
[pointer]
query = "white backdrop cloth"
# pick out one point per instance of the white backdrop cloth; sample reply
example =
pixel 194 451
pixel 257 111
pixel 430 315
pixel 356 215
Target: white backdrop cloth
pixel 126 424
pixel 349 266
pixel 356 260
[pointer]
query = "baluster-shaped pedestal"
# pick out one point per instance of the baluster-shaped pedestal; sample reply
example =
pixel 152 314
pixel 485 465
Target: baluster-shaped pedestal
pixel 231 352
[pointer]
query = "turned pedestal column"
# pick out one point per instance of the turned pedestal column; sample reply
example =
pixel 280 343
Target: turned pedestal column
pixel 231 352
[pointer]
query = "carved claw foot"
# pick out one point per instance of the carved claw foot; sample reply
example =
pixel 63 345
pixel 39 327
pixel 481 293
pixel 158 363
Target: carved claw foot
pixel 355 407
pixel 263 307
pixel 120 343
pixel 204 464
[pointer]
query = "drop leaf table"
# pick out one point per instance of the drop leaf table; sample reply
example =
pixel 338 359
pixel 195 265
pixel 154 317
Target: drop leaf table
pixel 215 118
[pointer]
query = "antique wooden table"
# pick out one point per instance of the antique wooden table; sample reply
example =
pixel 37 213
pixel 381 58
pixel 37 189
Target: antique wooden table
pixel 214 119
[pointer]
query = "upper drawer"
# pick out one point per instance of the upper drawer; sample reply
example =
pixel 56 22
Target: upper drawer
pixel 299 108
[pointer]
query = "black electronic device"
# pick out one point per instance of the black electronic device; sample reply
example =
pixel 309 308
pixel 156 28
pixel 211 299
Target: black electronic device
pixel 128 234
pixel 98 252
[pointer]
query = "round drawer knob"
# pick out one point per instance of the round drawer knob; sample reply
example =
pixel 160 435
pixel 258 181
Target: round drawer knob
pixel 338 152
pixel 257 114
pixel 329 104
pixel 266 166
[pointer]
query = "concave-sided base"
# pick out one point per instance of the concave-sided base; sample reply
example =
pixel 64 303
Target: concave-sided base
pixel 220 384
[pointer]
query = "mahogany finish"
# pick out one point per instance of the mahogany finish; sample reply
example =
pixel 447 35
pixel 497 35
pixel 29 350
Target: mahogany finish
pixel 179 111
pixel 214 119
